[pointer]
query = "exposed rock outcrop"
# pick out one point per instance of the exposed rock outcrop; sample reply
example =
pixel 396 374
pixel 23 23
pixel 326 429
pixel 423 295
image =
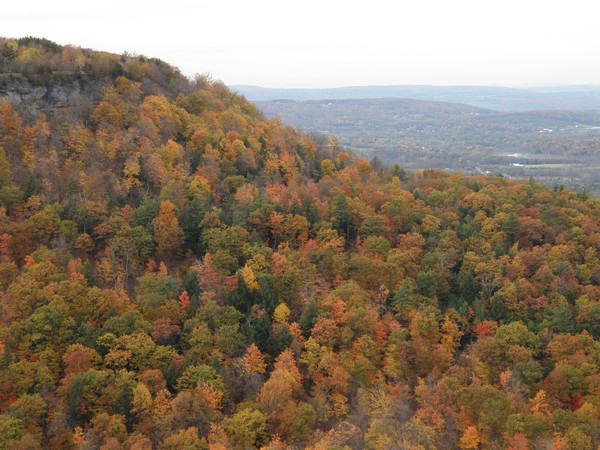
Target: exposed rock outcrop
pixel 34 97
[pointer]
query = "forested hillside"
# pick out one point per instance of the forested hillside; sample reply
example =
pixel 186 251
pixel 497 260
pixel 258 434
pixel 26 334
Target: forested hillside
pixel 178 272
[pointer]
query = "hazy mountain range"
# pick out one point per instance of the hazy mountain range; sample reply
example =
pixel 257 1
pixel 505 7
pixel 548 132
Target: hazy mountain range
pixel 492 97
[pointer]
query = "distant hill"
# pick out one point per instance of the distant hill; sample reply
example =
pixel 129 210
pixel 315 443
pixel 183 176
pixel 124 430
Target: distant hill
pixel 555 146
pixel 491 97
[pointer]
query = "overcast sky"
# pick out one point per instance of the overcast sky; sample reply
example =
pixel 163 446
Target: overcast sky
pixel 327 43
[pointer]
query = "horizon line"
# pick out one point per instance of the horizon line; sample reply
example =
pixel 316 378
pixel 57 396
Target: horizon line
pixel 520 86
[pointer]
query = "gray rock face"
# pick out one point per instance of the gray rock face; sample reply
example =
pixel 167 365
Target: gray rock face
pixel 25 96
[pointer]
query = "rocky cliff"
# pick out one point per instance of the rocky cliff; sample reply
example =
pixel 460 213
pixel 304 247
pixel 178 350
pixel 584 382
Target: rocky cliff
pixel 34 95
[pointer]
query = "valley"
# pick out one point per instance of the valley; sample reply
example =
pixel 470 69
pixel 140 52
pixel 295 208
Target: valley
pixel 556 147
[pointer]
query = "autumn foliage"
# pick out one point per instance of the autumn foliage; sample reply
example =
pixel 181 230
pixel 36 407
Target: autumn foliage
pixel 176 271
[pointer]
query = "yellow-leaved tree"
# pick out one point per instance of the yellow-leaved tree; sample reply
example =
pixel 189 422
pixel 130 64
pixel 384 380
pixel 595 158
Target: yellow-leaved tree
pixel 249 278
pixel 167 231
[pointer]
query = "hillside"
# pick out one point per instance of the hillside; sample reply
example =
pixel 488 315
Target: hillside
pixel 179 272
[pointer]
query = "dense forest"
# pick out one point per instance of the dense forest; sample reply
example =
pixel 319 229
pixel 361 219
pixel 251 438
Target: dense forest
pixel 178 272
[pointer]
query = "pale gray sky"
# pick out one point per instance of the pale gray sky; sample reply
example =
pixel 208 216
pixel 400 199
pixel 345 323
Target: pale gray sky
pixel 327 43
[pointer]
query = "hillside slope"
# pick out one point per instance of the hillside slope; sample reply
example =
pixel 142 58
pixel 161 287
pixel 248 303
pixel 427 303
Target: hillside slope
pixel 177 271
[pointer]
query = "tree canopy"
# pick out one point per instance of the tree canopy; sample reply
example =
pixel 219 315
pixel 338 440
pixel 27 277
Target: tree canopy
pixel 176 271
